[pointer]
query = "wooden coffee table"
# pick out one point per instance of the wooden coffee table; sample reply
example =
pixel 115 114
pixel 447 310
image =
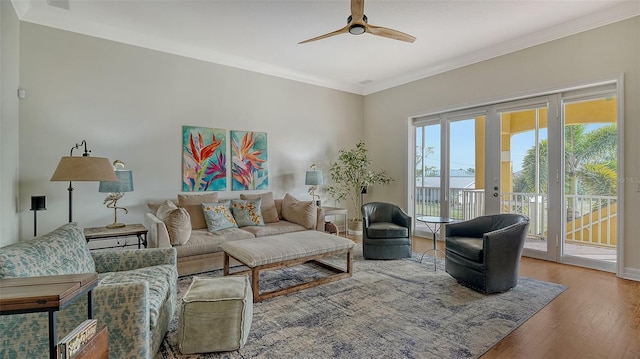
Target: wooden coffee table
pixel 286 250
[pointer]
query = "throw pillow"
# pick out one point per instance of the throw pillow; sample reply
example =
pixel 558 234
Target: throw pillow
pixel 153 207
pixel 192 202
pixel 267 206
pixel 247 212
pixel 218 216
pixel 177 220
pixel 304 213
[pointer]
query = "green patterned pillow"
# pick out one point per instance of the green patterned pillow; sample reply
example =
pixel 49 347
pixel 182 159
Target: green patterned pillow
pixel 218 216
pixel 247 212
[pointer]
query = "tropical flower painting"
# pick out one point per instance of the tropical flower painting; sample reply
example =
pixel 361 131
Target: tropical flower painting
pixel 203 159
pixel 249 160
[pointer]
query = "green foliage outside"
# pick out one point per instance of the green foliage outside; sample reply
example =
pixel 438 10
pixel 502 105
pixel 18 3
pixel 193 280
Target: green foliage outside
pixel 590 163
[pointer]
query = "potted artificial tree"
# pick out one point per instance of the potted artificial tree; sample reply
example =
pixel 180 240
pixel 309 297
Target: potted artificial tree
pixel 350 174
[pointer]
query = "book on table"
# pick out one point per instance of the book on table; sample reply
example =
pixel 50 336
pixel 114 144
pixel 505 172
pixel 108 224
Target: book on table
pixel 70 344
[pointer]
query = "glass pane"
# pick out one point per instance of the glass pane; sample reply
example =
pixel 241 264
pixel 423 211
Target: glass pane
pixel 427 187
pixel 464 200
pixel 591 167
pixel 524 171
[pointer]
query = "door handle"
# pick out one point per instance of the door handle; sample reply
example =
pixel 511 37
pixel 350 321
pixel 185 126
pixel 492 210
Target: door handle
pixel 495 195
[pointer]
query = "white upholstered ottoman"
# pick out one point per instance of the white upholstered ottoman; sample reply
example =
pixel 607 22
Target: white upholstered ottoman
pixel 286 250
pixel 215 315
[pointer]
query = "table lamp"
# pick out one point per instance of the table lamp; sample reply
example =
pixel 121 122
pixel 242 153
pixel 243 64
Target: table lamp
pixel 116 189
pixel 314 179
pixel 83 168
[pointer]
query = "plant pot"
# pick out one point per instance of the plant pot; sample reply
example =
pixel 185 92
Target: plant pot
pixel 355 227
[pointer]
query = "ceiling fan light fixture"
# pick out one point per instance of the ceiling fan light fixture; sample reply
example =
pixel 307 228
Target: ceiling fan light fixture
pixel 357 30
pixel 358 24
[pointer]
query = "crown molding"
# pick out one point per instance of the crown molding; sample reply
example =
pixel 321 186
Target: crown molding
pixel 625 10
pixel 39 12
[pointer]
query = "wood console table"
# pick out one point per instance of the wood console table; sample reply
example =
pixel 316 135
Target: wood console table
pixel 129 230
pixel 46 294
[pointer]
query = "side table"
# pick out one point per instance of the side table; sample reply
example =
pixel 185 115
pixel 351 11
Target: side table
pixel 46 294
pixel 437 223
pixel 129 230
pixel 336 211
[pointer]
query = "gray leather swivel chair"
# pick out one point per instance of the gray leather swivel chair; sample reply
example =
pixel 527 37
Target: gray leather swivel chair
pixel 484 253
pixel 386 232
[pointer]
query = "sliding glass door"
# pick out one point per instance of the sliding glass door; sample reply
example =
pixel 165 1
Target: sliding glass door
pixel 552 158
pixel 590 145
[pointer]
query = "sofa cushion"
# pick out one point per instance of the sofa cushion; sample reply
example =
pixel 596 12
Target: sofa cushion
pixel 177 220
pixel 192 202
pixel 62 251
pixel 204 242
pixel 267 206
pixel 218 216
pixel 304 213
pixel 158 278
pixel 247 212
pixel 386 230
pixel 271 229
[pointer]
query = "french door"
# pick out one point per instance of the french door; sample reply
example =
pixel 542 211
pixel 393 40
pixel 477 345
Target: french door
pixel 552 158
pixel 449 158
pixel 523 149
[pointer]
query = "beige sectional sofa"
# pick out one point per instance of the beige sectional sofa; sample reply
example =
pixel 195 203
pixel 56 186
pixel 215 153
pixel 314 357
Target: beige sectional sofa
pixel 185 228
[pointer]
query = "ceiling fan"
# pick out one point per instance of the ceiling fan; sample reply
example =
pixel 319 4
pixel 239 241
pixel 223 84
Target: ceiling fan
pixel 357 25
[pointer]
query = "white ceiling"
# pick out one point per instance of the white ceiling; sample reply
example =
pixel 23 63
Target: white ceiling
pixel 263 35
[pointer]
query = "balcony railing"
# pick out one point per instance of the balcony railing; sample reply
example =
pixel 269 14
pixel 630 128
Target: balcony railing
pixel 590 219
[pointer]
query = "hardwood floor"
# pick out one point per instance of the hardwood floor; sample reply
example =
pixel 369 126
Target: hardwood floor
pixel 598 316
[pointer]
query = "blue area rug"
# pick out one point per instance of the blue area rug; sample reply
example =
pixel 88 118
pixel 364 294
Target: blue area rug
pixel 388 309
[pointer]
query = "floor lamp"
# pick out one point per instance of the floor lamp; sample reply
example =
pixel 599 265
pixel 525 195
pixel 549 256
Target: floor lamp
pixel 83 168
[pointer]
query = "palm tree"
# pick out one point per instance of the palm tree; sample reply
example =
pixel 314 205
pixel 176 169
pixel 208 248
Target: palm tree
pixel 590 163
pixel 590 159
pixel 525 182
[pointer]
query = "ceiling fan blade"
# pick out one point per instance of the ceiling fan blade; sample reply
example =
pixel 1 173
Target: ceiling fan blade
pixel 390 33
pixel 357 10
pixel 344 30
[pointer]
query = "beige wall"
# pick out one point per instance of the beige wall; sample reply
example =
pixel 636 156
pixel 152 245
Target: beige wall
pixel 588 56
pixel 129 103
pixel 9 65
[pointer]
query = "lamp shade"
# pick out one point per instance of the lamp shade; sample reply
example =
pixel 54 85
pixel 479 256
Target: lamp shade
pixel 123 184
pixel 84 168
pixel 313 178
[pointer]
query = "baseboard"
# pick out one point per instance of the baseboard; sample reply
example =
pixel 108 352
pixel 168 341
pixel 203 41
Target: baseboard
pixel 631 274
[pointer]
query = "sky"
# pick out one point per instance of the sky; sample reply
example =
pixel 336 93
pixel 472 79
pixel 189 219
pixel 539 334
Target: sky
pixel 463 144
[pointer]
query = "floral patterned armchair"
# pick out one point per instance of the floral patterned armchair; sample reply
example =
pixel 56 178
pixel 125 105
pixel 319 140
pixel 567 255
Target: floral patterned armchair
pixel 135 297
